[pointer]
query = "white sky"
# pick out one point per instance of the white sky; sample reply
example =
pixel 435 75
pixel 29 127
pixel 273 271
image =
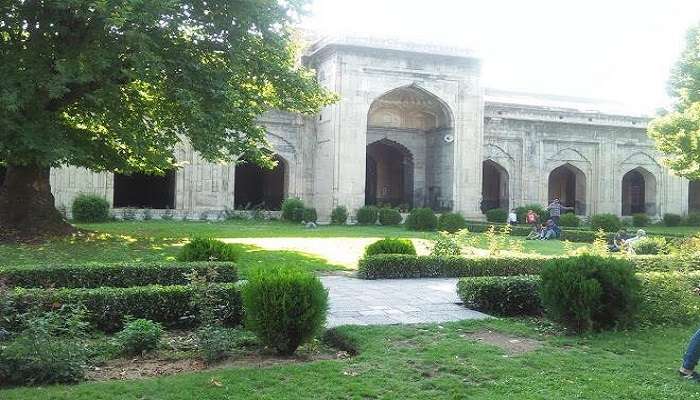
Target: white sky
pixel 619 50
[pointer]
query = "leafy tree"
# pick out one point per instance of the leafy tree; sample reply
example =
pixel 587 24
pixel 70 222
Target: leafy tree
pixel 677 134
pixel 115 85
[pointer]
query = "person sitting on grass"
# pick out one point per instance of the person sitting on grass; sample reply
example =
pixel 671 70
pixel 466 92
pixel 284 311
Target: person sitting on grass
pixel 619 240
pixel 551 230
pixel 691 357
pixel 536 232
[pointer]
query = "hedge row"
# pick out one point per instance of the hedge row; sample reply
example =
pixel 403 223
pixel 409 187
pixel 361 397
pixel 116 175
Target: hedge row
pixel 111 275
pixel 398 266
pixel 109 306
pixel 665 297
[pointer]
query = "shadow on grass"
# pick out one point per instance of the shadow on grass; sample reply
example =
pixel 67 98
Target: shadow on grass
pixel 255 257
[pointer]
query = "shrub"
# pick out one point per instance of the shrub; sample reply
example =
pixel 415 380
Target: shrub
pixel 114 275
pixel 693 219
pixel 496 215
pixel 90 208
pixel 49 349
pixel 285 307
pixel 389 216
pixel 309 215
pixel 421 219
pixel 569 220
pixel 292 210
pixel 521 212
pixel 606 222
pixel 205 249
pixel 506 296
pixel 640 220
pixel 672 219
pixel 589 292
pixel 451 222
pixel 367 215
pixel 391 246
pixel 650 245
pixel 669 298
pixel 446 244
pixel 213 343
pixel 339 215
pixel 139 336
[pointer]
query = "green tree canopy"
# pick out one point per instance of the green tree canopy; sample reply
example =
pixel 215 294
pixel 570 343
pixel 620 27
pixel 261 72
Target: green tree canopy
pixel 677 134
pixel 115 85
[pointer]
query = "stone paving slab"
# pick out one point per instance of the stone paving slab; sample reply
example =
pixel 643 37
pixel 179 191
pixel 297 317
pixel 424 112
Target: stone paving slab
pixel 394 301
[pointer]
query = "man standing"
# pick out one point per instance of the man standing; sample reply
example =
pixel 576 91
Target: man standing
pixel 555 208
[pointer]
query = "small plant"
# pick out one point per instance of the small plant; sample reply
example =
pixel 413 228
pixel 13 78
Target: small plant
pixel 606 222
pixel 285 307
pixel 139 336
pixel 421 219
pixel 640 220
pixel 90 208
pixel 496 215
pixel 205 249
pixel 672 219
pixel 693 219
pixel 309 215
pixel 367 215
pixel 204 216
pixel 451 222
pixel 339 215
pixel 446 244
pixel 389 216
pixel 651 245
pixel 213 342
pixel 569 220
pixel 391 246
pixel 293 210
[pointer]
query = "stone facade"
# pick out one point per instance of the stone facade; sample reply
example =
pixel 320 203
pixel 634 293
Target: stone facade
pixel 414 126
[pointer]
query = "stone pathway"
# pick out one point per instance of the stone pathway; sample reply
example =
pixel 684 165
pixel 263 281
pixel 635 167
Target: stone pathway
pixel 394 301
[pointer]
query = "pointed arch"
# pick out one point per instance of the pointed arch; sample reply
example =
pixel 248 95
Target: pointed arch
pixel 389 174
pixel 639 190
pixel 567 182
pixel 494 186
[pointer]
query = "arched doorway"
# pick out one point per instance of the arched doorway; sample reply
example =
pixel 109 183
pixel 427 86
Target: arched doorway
pixel 638 192
pixel 422 127
pixel 694 196
pixel 145 191
pixel 389 175
pixel 257 187
pixel 494 186
pixel 568 184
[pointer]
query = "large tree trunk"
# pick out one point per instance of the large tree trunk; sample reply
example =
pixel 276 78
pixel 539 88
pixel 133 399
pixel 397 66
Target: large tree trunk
pixel 27 210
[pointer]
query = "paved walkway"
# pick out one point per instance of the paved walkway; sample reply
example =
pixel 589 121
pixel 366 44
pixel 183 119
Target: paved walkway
pixel 394 301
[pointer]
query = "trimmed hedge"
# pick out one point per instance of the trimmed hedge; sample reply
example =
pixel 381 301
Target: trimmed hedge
pixel 501 295
pixel 421 219
pixel 391 246
pixel 90 208
pixel 108 308
pixel 112 275
pixel 496 215
pixel 451 222
pixel 398 266
pixel 389 216
pixel 672 219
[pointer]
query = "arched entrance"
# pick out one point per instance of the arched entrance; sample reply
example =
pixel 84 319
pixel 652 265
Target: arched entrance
pixel 638 192
pixel 389 176
pixel 418 163
pixel 494 186
pixel 694 196
pixel 257 187
pixel 568 184
pixel 145 191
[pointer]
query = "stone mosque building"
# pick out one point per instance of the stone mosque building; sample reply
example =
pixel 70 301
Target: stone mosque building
pixel 415 127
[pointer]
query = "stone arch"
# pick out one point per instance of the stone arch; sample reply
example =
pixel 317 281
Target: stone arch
pixel 257 187
pixel 569 155
pixel 494 186
pixel 639 191
pixel 567 182
pixel 389 174
pixel 404 98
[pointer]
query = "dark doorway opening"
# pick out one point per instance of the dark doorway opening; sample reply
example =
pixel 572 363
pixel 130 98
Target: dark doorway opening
pixel 494 186
pixel 145 191
pixel 693 196
pixel 389 175
pixel 633 193
pixel 568 184
pixel 3 171
pixel 257 187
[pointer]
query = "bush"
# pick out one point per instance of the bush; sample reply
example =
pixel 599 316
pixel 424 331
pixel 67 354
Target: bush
pixel 421 219
pixel 446 244
pixel 505 296
pixel 496 215
pixel 171 306
pixel 339 215
pixel 49 349
pixel 398 266
pixel 521 212
pixel 205 249
pixel 309 215
pixel 391 246
pixel 139 336
pixel 111 275
pixel 213 343
pixel 569 220
pixel 451 222
pixel 693 219
pixel 606 222
pixel 589 292
pixel 90 208
pixel 640 220
pixel 292 210
pixel 285 307
pixel 650 245
pixel 367 215
pixel 389 216
pixel 672 219
pixel 669 298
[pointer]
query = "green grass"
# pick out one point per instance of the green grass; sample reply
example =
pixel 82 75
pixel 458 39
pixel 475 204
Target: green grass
pixel 434 361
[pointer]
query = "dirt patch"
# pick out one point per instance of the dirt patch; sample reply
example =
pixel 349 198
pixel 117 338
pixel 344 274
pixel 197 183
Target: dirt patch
pixel 512 345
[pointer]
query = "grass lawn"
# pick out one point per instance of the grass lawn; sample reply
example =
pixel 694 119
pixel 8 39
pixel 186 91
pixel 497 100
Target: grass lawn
pixel 434 361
